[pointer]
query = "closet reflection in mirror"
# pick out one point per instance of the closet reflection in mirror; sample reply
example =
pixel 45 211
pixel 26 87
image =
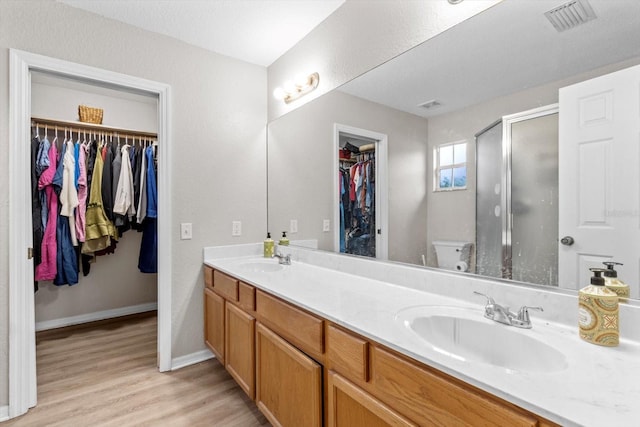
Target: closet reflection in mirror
pixel 478 82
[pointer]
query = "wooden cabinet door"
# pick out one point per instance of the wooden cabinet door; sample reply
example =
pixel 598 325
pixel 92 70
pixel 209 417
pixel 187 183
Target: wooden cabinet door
pixel 289 383
pixel 240 348
pixel 214 323
pixel 349 406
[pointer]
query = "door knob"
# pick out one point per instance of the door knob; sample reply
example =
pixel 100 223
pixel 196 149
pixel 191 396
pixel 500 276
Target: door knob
pixel 567 240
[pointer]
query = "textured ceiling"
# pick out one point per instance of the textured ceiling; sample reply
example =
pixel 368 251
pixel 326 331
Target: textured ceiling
pixel 256 31
pixel 507 48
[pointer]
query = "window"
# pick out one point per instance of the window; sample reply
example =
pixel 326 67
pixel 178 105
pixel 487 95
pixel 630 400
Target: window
pixel 450 166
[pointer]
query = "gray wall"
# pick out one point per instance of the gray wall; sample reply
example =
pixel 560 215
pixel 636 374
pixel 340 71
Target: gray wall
pixel 361 35
pixel 451 215
pixel 219 110
pixel 301 182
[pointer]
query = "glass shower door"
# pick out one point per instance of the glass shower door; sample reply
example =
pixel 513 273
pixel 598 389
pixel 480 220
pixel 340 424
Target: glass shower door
pixel 489 253
pixel 534 200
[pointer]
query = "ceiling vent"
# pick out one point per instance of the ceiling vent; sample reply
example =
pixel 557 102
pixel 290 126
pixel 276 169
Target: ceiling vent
pixel 570 15
pixel 430 104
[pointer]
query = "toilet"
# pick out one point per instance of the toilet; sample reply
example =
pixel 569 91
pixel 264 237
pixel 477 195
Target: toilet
pixel 453 255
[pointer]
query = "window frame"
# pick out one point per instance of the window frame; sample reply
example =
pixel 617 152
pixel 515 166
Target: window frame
pixel 437 168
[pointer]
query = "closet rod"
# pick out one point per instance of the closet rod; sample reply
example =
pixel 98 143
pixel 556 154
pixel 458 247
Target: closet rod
pixel 91 126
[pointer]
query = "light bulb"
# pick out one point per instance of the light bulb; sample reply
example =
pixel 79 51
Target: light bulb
pixel 289 87
pixel 279 93
pixel 302 80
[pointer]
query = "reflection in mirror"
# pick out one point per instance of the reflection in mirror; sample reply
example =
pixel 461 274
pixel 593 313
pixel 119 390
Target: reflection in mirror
pixel 479 84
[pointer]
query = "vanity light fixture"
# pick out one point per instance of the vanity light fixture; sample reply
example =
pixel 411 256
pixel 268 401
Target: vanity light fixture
pixel 454 1
pixel 292 90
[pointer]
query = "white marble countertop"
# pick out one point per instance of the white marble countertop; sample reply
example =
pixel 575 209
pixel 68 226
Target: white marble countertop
pixel 599 387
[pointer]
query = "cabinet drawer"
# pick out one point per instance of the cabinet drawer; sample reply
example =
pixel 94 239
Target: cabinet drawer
pixel 348 354
pixel 208 277
pixel 301 328
pixel 432 399
pixel 246 296
pixel 225 285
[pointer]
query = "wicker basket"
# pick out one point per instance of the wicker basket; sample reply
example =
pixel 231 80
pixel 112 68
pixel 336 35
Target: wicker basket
pixel 90 114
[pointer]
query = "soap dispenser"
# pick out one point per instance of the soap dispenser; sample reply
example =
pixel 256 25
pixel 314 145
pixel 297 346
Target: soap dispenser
pixel 598 312
pixel 284 240
pixel 612 282
pixel 268 246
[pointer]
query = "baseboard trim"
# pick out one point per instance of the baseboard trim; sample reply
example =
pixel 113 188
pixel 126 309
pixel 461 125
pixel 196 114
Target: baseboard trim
pixel 98 315
pixel 191 359
pixel 4 413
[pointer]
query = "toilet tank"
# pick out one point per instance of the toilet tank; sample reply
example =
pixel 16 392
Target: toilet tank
pixel 453 255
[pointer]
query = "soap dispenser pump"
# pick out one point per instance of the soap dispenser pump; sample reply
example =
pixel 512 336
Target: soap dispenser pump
pixel 598 312
pixel 612 282
pixel 284 240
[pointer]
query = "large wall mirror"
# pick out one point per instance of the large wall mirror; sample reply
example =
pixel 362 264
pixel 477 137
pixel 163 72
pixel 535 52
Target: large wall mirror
pixel 466 162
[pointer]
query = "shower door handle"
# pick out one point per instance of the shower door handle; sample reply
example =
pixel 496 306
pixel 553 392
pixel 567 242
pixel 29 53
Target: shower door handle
pixel 567 241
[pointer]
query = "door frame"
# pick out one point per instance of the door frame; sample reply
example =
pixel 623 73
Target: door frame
pixel 382 186
pixel 22 360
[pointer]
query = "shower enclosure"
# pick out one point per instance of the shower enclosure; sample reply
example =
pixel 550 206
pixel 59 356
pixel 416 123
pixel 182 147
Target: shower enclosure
pixel 517 197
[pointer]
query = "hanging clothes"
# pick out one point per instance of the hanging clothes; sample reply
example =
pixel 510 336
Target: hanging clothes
pixel 358 207
pixel 81 210
pixel 47 268
pixel 123 202
pixel 91 162
pixel 148 259
pixel 69 195
pixel 342 209
pixel 136 165
pixel 37 228
pixel 141 209
pixel 99 231
pixel 66 259
pixel 107 181
pixel 68 192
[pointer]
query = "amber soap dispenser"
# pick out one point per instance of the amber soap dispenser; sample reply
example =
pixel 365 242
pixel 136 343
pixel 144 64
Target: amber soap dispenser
pixel 598 312
pixel 611 281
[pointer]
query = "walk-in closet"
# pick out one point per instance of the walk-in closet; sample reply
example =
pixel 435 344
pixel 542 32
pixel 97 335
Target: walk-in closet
pixel 357 193
pixel 95 243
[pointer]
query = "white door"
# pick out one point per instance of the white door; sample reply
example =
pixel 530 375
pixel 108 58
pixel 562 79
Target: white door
pixel 599 209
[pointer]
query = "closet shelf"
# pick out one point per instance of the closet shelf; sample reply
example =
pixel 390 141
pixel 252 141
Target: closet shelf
pixel 91 126
pixel 349 160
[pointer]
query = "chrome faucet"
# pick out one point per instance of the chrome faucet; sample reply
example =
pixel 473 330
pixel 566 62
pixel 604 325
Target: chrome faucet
pixel 283 259
pixel 502 314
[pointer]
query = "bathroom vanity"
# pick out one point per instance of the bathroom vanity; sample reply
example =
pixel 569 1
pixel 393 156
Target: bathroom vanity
pixel 318 346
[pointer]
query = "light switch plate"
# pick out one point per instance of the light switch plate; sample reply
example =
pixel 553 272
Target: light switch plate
pixel 236 228
pixel 186 231
pixel 293 226
pixel 326 225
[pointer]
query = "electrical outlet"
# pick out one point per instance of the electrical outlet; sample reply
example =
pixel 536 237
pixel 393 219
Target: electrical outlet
pixel 293 226
pixel 326 225
pixel 186 232
pixel 236 228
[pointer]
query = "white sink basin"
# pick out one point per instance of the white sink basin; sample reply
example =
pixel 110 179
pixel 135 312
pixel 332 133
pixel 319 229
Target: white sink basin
pixel 266 266
pixel 465 335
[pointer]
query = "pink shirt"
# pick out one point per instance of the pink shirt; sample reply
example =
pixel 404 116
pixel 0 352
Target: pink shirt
pixel 47 268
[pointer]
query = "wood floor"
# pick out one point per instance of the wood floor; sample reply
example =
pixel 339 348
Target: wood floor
pixel 106 375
